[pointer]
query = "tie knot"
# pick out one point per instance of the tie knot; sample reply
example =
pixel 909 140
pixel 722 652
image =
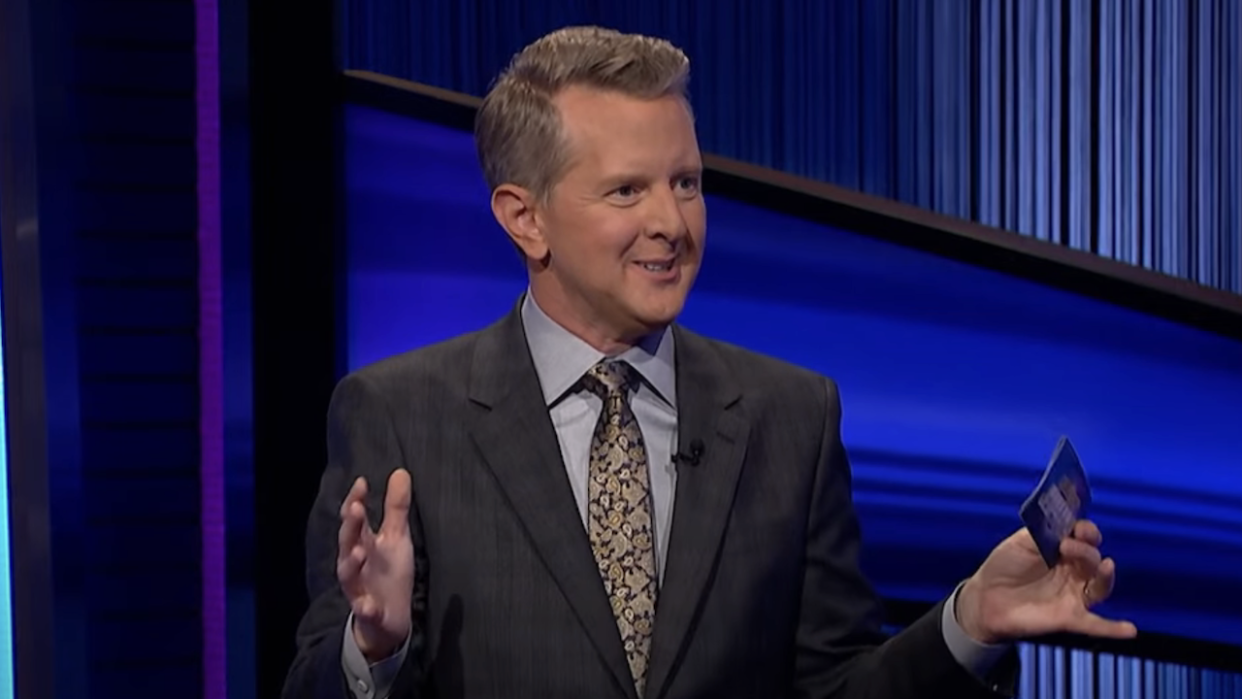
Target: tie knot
pixel 609 379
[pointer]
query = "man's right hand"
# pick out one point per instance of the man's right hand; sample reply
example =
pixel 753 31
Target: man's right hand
pixel 376 569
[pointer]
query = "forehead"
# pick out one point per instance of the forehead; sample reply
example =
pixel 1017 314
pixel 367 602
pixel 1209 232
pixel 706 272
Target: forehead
pixel 608 127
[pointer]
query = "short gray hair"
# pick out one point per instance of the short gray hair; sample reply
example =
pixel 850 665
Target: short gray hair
pixel 517 129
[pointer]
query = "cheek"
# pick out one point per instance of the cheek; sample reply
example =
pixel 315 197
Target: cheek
pixel 611 237
pixel 595 245
pixel 696 221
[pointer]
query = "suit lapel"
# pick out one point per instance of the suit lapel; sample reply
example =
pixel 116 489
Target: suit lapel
pixel 707 400
pixel 513 431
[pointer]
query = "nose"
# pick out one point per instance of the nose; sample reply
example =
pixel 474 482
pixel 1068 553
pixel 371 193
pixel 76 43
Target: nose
pixel 665 218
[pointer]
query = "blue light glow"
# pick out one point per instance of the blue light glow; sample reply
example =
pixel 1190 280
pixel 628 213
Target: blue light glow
pixel 6 588
pixel 956 381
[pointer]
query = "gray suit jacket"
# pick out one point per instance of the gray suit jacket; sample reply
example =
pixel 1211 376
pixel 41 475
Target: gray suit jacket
pixel 762 595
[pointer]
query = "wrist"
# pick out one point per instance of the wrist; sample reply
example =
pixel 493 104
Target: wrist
pixel 968 611
pixel 375 645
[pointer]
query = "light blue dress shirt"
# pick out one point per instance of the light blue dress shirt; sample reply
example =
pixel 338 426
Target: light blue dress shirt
pixel 561 358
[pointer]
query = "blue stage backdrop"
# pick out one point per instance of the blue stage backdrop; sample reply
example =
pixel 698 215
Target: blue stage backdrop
pixel 956 381
pixel 1114 127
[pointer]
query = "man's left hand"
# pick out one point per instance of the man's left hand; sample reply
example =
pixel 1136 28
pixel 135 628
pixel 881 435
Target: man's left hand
pixel 1014 595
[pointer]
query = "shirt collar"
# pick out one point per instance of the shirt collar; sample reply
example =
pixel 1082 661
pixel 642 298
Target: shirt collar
pixel 561 358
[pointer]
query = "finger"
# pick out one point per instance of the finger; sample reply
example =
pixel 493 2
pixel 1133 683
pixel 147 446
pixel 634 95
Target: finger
pixel 353 519
pixel 1095 625
pixel 366 538
pixel 357 493
pixel 1082 557
pixel 1086 531
pixel 397 505
pixel 349 572
pixel 1100 587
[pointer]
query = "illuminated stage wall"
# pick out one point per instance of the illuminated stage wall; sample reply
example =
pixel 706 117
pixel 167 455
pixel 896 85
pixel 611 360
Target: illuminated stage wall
pixel 956 380
pixel 1114 127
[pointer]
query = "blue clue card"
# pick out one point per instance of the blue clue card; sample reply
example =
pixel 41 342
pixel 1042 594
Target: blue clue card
pixel 1060 500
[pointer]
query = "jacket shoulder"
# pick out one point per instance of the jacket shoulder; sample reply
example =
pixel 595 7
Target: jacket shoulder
pixel 432 370
pixel 760 374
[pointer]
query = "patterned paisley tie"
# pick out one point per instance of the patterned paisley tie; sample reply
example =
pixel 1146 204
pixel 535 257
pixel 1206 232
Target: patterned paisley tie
pixel 619 513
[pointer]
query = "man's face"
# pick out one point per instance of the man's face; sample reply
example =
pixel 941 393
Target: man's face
pixel 624 226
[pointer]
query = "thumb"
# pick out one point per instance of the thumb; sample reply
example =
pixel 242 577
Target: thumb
pixel 1091 624
pixel 397 504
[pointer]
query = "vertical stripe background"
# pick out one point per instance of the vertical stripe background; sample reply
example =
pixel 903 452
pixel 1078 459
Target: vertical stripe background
pixel 1112 127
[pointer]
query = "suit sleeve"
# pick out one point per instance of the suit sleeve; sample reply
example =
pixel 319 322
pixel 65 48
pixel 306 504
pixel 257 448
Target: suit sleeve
pixel 842 652
pixel 362 442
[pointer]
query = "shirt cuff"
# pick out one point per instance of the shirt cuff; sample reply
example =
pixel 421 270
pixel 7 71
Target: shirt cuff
pixel 978 658
pixel 369 681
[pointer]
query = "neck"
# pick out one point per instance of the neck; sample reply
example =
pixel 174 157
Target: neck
pixel 585 325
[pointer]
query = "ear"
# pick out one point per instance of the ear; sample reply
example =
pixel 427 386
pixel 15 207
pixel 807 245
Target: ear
pixel 516 210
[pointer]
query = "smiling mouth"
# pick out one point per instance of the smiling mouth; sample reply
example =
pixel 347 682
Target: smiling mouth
pixel 664 266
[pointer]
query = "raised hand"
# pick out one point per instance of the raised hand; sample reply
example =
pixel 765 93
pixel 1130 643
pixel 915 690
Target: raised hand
pixel 1014 595
pixel 376 569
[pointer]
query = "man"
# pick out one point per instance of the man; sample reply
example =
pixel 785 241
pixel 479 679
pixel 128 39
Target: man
pixel 587 500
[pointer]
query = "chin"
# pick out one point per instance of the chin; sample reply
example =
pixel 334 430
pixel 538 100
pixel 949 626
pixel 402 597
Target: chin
pixel 658 316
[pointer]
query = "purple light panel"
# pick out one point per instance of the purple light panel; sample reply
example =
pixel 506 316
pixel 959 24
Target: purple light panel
pixel 211 354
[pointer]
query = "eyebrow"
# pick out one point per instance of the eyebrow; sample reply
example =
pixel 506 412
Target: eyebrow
pixel 627 176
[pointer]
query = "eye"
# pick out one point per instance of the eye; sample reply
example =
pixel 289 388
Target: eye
pixel 688 184
pixel 625 193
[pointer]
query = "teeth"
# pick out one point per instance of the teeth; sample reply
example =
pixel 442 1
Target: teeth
pixel 652 267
